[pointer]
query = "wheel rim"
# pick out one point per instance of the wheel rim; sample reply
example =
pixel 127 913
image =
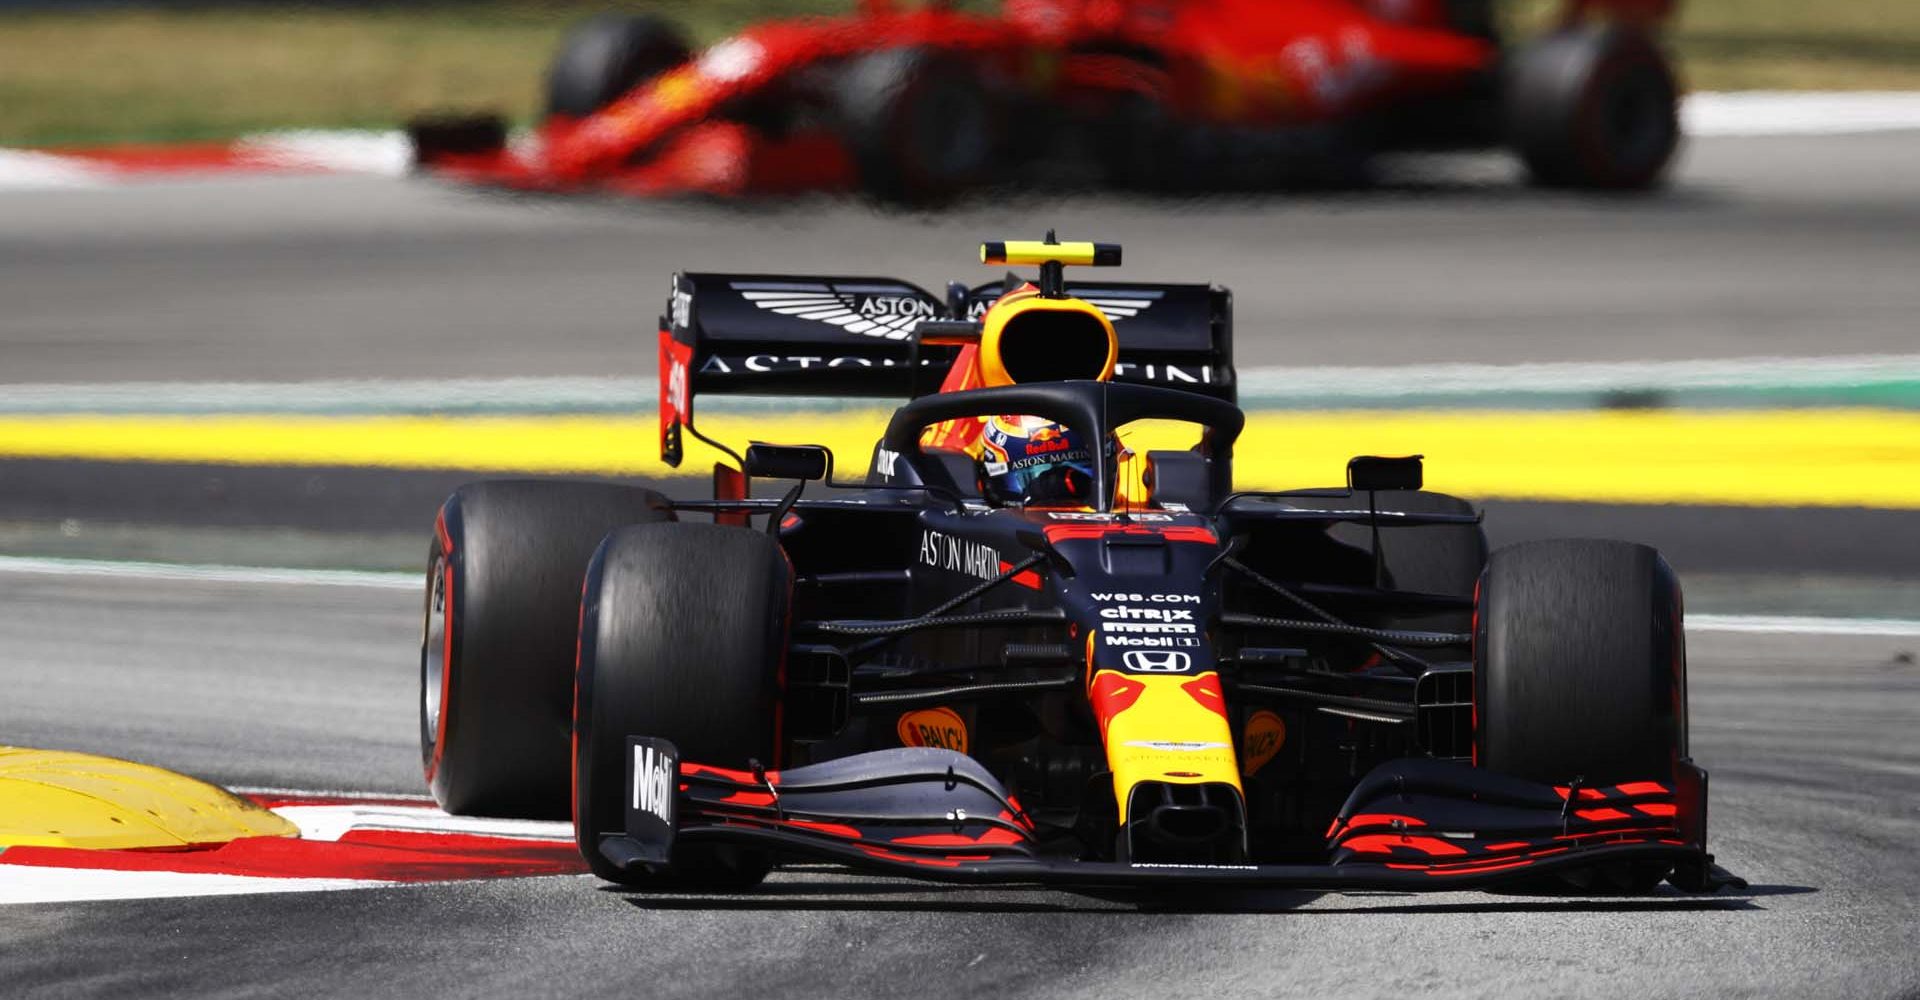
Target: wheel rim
pixel 433 651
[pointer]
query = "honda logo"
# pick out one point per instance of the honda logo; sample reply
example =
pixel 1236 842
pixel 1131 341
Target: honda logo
pixel 1158 662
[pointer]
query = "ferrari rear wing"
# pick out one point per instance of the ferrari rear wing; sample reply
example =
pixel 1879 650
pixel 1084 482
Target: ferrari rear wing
pixel 783 335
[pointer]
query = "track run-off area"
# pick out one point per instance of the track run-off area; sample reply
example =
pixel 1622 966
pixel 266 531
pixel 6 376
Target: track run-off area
pixel 1744 339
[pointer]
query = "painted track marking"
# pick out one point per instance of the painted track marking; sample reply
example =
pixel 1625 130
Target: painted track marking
pixel 1751 624
pixel 209 574
pixel 1848 457
pixel 35 884
pixel 364 841
pixel 1832 378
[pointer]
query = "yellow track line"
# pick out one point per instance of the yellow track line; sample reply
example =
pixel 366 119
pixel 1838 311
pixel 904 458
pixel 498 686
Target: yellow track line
pixel 1840 457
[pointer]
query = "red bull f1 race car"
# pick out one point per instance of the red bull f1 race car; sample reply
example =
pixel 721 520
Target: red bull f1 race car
pixel 1053 654
pixel 925 102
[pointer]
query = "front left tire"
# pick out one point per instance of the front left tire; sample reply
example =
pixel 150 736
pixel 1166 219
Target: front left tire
pixel 1580 663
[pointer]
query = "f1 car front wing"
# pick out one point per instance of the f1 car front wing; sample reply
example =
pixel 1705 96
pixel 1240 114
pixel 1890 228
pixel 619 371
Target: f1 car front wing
pixel 936 814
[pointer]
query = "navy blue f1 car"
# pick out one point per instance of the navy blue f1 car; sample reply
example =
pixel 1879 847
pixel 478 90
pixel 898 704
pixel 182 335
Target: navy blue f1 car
pixel 1019 650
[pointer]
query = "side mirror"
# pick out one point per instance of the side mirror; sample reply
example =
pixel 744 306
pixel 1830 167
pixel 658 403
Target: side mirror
pixel 1367 473
pixel 787 461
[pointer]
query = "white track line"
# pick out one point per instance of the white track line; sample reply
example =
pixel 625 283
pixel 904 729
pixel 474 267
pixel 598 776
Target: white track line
pixel 1751 624
pixel 26 170
pixel 1767 113
pixel 334 822
pixel 209 574
pixel 36 884
pixel 385 153
pixel 635 393
pixel 1769 372
pixel 274 791
pixel 1799 625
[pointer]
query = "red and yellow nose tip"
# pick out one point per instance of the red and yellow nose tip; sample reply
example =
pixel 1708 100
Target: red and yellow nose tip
pixel 1169 728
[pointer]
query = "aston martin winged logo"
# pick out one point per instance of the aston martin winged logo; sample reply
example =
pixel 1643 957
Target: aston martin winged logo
pixel 1118 303
pixel 886 311
pixel 890 311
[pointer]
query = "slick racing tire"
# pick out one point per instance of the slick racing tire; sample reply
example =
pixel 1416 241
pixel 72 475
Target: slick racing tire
pixel 922 128
pixel 1595 107
pixel 1580 675
pixel 683 633
pixel 1580 663
pixel 605 57
pixel 497 650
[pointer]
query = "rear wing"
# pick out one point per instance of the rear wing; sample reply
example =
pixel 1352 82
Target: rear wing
pixel 779 335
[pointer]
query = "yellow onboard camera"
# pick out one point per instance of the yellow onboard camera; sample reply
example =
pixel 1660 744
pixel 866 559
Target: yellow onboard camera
pixel 1040 333
pixel 1043 252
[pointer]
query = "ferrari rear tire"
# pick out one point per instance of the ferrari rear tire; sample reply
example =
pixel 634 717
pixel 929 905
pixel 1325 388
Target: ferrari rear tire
pixel 605 57
pixel 496 659
pixel 1594 106
pixel 1580 664
pixel 683 633
pixel 922 128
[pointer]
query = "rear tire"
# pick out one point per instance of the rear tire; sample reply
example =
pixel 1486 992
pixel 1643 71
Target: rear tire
pixel 1580 664
pixel 922 128
pixel 683 634
pixel 502 614
pixel 1594 107
pixel 605 57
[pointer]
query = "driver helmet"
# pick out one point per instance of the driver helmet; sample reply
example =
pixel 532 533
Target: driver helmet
pixel 1032 460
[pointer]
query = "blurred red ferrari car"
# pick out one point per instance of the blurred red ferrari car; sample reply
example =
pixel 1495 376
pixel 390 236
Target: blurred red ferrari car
pixel 926 102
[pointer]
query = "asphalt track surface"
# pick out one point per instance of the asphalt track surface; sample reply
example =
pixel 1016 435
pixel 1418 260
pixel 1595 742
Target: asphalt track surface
pixel 1815 785
pixel 1764 246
